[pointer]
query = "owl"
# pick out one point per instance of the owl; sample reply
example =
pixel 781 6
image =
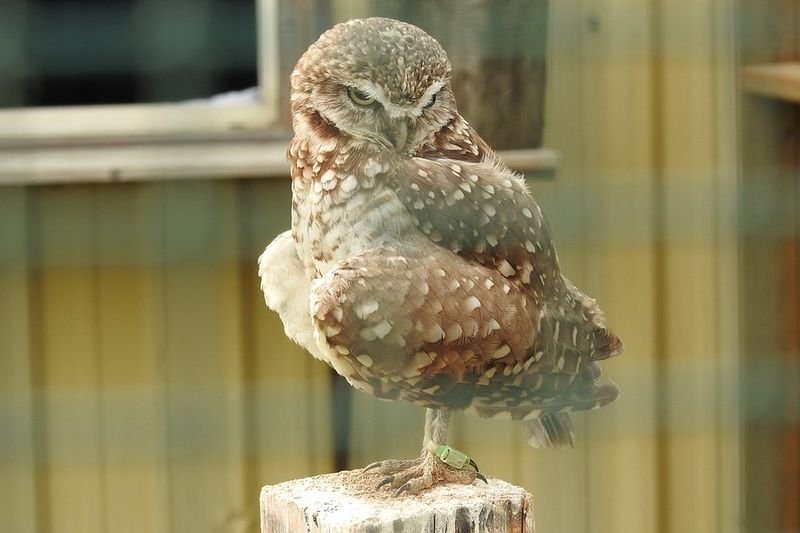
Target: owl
pixel 418 265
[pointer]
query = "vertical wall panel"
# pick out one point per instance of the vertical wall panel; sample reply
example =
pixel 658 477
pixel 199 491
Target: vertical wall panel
pixel 134 440
pixel 202 356
pixel 618 159
pixel 70 378
pixel 694 190
pixel 291 412
pixel 18 505
pixel 162 376
pixel 727 183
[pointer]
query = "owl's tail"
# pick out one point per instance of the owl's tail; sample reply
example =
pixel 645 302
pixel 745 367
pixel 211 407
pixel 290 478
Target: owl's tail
pixel 552 430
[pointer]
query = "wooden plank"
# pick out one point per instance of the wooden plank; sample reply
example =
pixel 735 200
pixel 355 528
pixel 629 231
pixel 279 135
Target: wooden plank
pixel 201 353
pixel 143 162
pixel 281 409
pixel 778 80
pixel 727 177
pixel 791 485
pixel 620 261
pixel 692 363
pixel 130 123
pixel 66 335
pixel 18 505
pixel 134 445
pixel 246 158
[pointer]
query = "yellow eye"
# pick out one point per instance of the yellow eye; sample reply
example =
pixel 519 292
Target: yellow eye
pixel 359 97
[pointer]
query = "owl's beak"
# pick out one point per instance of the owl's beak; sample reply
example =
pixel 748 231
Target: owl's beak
pixel 399 134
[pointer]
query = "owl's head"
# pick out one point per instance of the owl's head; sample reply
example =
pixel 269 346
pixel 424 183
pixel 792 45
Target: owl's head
pixel 383 82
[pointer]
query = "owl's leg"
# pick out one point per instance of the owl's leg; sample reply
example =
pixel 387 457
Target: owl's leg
pixel 437 422
pixel 436 465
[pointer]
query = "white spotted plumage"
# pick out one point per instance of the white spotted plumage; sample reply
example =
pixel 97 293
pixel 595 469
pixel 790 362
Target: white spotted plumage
pixel 426 267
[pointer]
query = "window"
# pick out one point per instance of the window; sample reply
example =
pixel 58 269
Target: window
pixel 82 71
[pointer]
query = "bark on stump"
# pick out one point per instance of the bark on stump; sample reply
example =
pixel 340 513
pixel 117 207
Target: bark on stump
pixel 347 502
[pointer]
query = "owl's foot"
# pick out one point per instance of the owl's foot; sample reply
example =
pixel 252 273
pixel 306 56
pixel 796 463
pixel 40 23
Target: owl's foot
pixel 436 466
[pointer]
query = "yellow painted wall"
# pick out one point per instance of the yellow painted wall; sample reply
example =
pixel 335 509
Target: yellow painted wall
pixel 144 386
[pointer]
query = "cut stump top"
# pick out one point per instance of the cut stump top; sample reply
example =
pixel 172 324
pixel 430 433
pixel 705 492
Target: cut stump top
pixel 347 502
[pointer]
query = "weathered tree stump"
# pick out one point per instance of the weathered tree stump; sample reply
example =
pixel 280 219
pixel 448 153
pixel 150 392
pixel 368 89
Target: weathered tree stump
pixel 347 502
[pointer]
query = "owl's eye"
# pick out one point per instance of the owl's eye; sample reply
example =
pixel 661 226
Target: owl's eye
pixel 359 97
pixel 433 101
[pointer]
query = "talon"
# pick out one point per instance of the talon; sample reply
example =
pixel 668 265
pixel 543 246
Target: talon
pixel 439 465
pixel 386 481
pixel 370 466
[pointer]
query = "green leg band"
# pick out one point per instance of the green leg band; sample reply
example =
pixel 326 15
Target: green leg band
pixel 452 457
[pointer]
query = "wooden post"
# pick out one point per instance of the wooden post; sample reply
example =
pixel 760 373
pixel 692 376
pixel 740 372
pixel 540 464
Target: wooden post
pixel 498 56
pixel 347 502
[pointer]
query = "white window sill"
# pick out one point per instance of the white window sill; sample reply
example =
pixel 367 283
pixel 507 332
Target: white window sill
pixel 197 160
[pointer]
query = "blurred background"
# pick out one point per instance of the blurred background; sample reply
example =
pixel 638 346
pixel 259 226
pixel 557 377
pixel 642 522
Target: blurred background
pixel 145 387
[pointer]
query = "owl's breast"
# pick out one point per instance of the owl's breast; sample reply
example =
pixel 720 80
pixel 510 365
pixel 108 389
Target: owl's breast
pixel 343 211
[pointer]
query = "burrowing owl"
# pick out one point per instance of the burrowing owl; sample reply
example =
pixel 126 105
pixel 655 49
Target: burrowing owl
pixel 418 265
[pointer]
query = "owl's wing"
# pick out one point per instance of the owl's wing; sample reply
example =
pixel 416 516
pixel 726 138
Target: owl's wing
pixel 482 211
pixel 417 322
pixel 286 289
